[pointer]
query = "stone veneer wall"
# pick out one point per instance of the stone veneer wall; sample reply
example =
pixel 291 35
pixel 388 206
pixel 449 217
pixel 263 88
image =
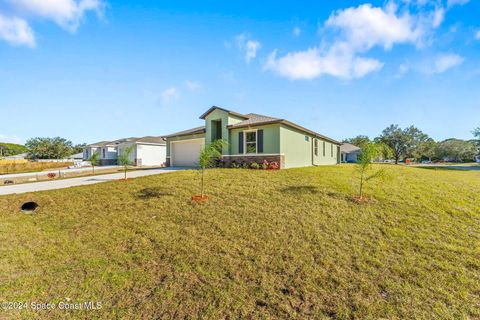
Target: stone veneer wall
pixel 258 158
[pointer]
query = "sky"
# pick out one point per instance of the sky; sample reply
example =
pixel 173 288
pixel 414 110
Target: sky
pixel 92 70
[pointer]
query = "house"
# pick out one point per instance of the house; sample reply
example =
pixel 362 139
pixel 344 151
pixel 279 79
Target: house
pixel 477 158
pixel 146 151
pixel 349 152
pixel 253 138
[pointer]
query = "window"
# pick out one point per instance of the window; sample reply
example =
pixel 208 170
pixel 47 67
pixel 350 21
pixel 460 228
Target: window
pixel 250 141
pixel 331 150
pixel 307 138
pixel 315 146
pixel 103 152
pixel 324 148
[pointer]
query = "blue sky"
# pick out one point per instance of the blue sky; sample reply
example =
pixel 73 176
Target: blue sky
pixel 92 70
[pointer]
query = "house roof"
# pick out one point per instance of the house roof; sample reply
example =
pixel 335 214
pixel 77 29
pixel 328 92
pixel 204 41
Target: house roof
pixel 349 148
pixel 197 130
pixel 255 119
pixel 250 120
pixel 98 144
pixel 203 116
pixel 147 139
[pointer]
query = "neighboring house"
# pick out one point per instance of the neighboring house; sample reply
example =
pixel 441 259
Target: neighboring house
pixel 350 152
pixel 253 138
pixel 76 156
pixel 477 158
pixel 147 151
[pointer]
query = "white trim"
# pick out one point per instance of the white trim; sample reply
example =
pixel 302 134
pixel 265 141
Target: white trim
pixel 245 141
pixel 180 141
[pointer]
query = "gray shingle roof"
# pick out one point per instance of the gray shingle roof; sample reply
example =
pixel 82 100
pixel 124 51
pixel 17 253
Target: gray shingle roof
pixel 348 148
pixel 197 130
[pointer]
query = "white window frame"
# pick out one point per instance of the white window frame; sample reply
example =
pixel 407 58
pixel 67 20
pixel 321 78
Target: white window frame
pixel 245 141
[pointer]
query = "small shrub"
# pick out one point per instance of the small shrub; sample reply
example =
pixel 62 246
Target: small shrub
pixel 234 165
pixel 273 166
pixel 52 175
pixel 245 165
pixel 265 165
pixel 254 165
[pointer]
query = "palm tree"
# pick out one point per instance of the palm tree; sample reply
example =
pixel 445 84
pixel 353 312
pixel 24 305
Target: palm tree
pixel 123 159
pixel 207 158
pixel 364 164
pixel 94 160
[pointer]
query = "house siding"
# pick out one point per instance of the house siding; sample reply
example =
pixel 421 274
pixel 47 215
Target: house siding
pixel 300 153
pixel 271 139
pixel 226 120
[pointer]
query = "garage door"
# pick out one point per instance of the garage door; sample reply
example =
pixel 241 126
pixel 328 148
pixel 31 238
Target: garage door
pixel 185 153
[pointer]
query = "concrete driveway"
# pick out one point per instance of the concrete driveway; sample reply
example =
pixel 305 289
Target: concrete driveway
pixel 67 183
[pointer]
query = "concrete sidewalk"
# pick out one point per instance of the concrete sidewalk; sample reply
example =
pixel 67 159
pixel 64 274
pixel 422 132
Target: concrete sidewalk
pixel 73 182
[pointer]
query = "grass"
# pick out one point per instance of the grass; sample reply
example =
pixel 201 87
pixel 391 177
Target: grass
pixel 282 244
pixel 31 166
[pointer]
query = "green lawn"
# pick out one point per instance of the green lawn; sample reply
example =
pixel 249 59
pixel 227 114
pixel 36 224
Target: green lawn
pixel 282 244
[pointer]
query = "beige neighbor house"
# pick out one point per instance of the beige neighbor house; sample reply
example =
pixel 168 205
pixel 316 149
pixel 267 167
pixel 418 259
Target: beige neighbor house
pixel 146 151
pixel 252 138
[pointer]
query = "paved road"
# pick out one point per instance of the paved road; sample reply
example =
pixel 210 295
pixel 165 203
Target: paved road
pixel 67 183
pixel 456 167
pixel 46 172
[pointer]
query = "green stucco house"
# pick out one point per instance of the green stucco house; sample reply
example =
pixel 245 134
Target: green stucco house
pixel 253 138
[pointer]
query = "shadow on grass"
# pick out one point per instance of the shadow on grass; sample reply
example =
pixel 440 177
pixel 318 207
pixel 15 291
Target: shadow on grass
pixel 154 192
pixel 300 189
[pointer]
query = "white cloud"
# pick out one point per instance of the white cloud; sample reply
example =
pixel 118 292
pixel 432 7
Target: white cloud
pixel 445 62
pixel 403 69
pixel 438 17
pixel 251 50
pixel 357 30
pixel 248 46
pixel 16 31
pixel 193 85
pixel 66 13
pixel 477 35
pixel 338 61
pixel 296 31
pixel 169 95
pixel 365 27
pixel 452 3
pixel 10 139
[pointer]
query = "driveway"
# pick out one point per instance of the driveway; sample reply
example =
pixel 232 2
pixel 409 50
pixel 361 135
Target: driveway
pixel 82 181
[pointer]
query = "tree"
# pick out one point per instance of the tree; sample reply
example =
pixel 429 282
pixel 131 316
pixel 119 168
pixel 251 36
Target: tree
pixel 11 149
pixel 78 148
pixel 403 142
pixel 425 150
pixel 207 159
pixel 476 132
pixel 456 150
pixel 123 158
pixel 49 148
pixel 360 141
pixel 364 165
pixel 94 160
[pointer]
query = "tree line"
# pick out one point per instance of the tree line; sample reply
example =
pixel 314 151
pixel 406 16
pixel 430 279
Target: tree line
pixel 411 143
pixel 43 148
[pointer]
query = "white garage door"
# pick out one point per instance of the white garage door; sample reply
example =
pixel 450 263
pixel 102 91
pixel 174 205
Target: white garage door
pixel 185 153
